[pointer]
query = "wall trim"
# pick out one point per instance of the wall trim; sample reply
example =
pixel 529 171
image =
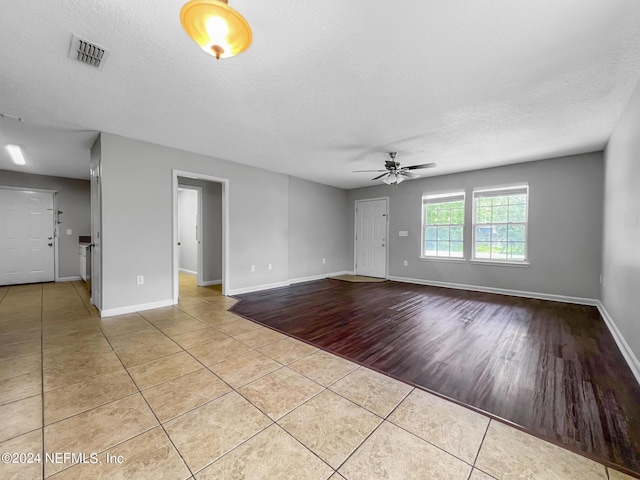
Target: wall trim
pixel 110 312
pixel 188 271
pixel 268 286
pixel 75 278
pixel 625 349
pixel 502 291
pixel 318 277
pixel 257 288
pixel 211 282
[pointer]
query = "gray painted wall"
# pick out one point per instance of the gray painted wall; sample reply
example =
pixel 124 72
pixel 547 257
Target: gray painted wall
pixel 318 228
pixel 565 225
pixel 621 248
pixel 73 198
pixel 212 226
pixel 137 220
pixel 187 228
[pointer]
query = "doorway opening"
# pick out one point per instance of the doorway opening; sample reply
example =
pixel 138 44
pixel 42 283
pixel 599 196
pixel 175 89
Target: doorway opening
pixel 200 234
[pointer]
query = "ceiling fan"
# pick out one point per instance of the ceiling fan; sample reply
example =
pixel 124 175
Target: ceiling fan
pixel 394 173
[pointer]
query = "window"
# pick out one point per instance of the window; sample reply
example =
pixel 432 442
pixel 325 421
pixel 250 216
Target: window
pixel 443 225
pixel 500 224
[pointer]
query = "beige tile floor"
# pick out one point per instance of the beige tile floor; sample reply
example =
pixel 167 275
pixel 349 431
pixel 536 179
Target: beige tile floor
pixel 195 392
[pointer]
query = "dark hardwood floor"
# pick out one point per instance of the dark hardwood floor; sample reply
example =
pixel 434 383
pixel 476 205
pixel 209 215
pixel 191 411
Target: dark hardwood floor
pixel 551 368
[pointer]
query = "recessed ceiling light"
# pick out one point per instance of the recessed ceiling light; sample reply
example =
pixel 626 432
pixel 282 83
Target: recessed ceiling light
pixel 16 153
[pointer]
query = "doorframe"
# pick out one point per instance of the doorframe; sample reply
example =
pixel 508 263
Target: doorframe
pixel 355 233
pixel 54 194
pixel 225 227
pixel 200 230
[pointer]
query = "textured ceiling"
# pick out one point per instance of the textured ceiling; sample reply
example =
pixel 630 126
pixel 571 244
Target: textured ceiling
pixel 329 85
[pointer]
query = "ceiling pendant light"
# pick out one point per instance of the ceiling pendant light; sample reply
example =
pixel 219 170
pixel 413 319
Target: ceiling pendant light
pixel 216 27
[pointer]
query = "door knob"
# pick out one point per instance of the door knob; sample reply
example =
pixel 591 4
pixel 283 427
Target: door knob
pixel 50 244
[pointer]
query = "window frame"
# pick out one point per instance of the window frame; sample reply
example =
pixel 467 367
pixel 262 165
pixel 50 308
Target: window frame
pixel 452 194
pixel 500 189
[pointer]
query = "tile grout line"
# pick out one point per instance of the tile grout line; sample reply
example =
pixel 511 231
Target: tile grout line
pixel 273 422
pixel 237 391
pixel 206 403
pixel 210 401
pixel 148 406
pixel 480 447
pixel 81 299
pixel 384 419
pixel 103 404
pixel 42 374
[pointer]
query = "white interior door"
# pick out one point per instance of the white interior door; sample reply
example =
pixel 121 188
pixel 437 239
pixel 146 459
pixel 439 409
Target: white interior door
pixel 96 234
pixel 26 237
pixel 371 238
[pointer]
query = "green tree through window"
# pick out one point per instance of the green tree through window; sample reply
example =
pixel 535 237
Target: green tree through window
pixel 443 225
pixel 500 224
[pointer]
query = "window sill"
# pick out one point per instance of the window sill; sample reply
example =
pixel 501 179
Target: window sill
pixel 500 263
pixel 443 259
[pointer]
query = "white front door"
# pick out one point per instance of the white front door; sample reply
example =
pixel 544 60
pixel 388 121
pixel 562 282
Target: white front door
pixel 371 238
pixel 26 237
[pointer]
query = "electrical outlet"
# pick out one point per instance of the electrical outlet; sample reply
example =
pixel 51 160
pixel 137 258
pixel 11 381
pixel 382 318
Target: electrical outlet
pixel 253 268
pixel 270 267
pixel 406 263
pixel 140 279
pixel 324 260
pixel 69 231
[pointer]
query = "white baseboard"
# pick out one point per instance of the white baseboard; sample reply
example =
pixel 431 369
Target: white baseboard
pixel 501 291
pixel 110 312
pixel 69 279
pixel 624 347
pixel 318 277
pixel 268 286
pixel 256 288
pixel 210 282
pixel 188 271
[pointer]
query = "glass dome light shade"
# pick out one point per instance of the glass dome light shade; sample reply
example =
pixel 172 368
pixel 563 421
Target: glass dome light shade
pixel 216 27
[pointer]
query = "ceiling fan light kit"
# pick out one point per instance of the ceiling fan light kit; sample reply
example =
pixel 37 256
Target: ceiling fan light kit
pixel 395 173
pixel 216 27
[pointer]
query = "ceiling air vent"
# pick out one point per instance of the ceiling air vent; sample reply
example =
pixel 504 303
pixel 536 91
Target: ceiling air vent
pixel 86 52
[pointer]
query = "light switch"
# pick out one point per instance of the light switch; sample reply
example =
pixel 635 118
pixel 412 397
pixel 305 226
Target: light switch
pixel 403 233
pixel 68 231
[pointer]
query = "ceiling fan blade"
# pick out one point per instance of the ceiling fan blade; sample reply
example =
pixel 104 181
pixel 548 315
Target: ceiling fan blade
pixel 418 167
pixel 409 175
pixel 380 176
pixel 360 171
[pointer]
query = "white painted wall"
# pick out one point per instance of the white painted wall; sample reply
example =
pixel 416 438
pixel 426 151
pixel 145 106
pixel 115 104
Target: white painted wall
pixel 137 220
pixel 565 225
pixel 318 228
pixel 621 244
pixel 73 198
pixel 187 229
